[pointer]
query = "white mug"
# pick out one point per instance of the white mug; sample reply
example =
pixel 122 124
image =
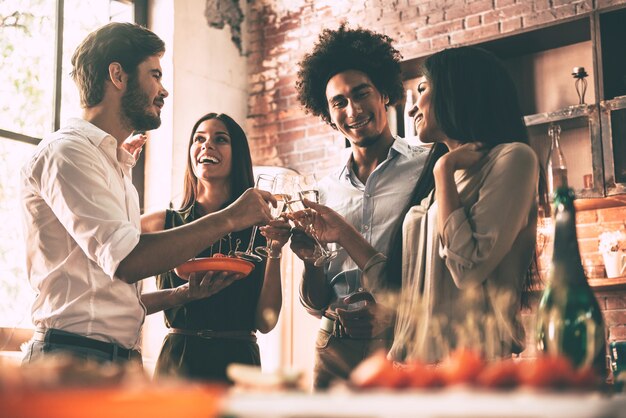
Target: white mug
pixel 615 264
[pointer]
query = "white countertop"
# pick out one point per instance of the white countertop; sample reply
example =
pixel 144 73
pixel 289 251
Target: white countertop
pixel 447 403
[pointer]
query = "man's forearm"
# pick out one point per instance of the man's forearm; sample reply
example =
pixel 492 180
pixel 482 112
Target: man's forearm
pixel 161 251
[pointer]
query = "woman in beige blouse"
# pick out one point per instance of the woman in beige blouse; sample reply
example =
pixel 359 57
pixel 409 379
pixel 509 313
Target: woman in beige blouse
pixel 465 250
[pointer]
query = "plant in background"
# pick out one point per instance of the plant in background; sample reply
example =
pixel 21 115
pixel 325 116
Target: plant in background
pixel 612 241
pixel 612 247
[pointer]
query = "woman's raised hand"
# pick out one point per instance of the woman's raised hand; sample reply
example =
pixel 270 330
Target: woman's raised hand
pixel 277 232
pixel 134 144
pixel 327 223
pixel 463 157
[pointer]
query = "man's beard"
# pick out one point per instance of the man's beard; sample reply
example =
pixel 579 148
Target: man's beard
pixel 134 104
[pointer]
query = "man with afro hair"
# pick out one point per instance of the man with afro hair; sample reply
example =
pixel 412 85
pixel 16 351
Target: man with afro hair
pixel 349 80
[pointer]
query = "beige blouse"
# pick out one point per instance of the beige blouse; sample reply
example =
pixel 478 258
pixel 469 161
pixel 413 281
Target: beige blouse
pixel 462 286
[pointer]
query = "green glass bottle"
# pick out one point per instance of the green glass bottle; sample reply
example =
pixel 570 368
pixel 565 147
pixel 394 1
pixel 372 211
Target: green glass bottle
pixel 569 319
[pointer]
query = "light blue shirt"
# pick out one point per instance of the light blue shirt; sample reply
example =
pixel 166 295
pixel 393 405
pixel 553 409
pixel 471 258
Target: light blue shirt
pixel 372 208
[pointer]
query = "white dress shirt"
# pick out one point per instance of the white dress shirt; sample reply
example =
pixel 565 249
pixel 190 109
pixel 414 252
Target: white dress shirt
pixel 81 219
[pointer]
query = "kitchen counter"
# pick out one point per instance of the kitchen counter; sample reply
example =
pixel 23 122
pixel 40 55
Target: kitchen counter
pixel 203 401
pixel 448 403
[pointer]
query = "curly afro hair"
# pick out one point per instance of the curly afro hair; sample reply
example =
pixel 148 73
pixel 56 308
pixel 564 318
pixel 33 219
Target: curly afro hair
pixel 348 49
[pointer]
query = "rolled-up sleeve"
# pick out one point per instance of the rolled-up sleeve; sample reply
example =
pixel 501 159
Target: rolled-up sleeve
pixel 474 240
pixel 88 201
pixel 373 273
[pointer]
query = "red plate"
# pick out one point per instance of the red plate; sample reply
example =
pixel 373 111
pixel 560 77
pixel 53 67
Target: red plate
pixel 230 264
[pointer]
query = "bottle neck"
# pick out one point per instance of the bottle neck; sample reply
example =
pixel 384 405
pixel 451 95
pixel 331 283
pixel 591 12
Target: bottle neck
pixel 566 255
pixel 557 168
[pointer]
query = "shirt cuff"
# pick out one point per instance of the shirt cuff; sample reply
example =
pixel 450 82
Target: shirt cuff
pixel 373 261
pixel 455 229
pixel 117 248
pixel 372 278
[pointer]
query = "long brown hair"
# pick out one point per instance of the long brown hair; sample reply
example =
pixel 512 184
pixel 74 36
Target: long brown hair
pixel 241 177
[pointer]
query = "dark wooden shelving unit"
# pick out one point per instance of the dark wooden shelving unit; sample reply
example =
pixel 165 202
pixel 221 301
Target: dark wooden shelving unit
pixel 541 61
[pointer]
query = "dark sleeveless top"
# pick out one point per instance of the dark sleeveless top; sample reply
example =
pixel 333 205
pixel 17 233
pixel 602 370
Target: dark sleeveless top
pixel 231 309
pixel 234 307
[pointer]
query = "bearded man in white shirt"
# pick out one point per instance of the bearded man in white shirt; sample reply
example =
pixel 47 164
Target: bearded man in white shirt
pixel 85 250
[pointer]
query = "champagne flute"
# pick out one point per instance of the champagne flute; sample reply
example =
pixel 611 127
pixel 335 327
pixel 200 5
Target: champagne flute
pixel 282 190
pixel 287 186
pixel 263 182
pixel 325 255
pixel 308 189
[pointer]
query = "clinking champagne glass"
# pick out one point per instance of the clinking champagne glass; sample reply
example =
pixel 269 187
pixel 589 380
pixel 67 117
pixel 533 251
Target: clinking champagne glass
pixel 282 189
pixel 287 187
pixel 325 255
pixel 308 189
pixel 263 182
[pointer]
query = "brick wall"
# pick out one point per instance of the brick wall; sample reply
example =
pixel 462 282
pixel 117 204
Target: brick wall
pixel 280 32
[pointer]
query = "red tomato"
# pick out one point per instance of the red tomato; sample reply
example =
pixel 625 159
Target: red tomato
pixel 463 366
pixel 586 378
pixel 547 371
pixel 421 375
pixel 377 371
pixel 499 374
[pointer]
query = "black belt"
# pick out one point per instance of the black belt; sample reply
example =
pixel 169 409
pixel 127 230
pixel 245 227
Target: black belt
pixel 211 334
pixel 54 336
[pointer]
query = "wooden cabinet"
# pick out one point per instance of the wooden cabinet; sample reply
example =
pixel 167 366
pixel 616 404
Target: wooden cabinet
pixel 580 124
pixel 541 62
pixel 613 122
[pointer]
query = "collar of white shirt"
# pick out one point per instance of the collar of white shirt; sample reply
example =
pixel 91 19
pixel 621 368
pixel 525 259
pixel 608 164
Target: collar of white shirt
pixel 101 139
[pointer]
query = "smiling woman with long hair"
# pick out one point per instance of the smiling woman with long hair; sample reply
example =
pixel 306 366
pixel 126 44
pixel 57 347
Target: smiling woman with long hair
pixel 208 334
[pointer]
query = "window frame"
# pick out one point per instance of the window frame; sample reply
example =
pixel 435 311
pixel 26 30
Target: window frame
pixel 12 337
pixel 141 18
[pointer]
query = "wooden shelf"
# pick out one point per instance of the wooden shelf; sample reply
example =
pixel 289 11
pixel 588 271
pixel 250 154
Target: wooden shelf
pixel 617 283
pixel 565 114
pixel 614 284
pixel 615 103
pixel 600 203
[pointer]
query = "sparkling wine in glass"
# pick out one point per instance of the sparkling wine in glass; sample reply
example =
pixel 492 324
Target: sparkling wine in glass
pixel 263 182
pixel 324 255
pixel 275 213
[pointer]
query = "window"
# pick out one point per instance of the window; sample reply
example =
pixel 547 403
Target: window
pixel 36 96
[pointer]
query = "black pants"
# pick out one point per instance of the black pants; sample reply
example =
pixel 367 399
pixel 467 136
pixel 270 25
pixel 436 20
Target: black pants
pixel 203 358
